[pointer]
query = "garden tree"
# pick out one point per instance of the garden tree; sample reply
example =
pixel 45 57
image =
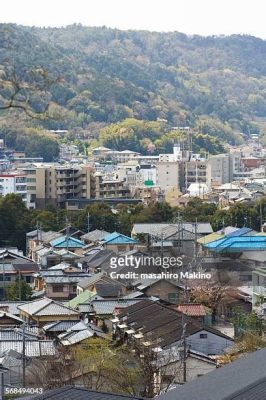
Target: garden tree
pixel 158 212
pixel 105 366
pixel 52 372
pixel 47 220
pixel 240 215
pixel 245 323
pixel 14 221
pixel 197 209
pixel 101 217
pixel 247 343
pixel 19 290
pixel 125 215
pixel 132 369
pixel 212 293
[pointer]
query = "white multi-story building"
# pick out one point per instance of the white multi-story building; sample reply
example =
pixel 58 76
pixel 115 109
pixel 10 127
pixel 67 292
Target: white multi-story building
pixel 14 183
pixel 222 168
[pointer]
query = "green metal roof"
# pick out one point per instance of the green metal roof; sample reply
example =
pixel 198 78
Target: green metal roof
pixel 212 237
pixel 81 298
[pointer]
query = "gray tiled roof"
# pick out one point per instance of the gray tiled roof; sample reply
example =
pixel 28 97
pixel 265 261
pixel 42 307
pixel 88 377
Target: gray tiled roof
pixel 244 379
pixel 168 229
pixel 87 282
pixel 59 326
pixel 63 279
pixel 77 393
pixel 35 348
pixel 95 235
pixel 106 307
pixel 11 306
pixel 46 306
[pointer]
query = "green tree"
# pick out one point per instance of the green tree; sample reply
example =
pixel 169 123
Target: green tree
pixel 159 212
pixel 20 290
pixel 101 217
pixel 14 221
pixel 198 209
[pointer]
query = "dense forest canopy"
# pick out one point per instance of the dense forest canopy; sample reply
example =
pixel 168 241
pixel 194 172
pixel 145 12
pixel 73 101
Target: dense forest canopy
pixel 216 85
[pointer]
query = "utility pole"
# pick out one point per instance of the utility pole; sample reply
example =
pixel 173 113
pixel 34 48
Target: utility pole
pixel 183 338
pixel 67 232
pixel 184 357
pixel 196 237
pixel 88 219
pixel 261 227
pixel 2 387
pixel 19 284
pixel 23 355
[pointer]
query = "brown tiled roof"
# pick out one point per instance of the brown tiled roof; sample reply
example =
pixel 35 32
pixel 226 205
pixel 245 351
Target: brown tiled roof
pixel 192 310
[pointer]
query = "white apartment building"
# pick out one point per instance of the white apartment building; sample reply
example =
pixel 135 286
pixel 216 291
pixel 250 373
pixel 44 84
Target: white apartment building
pixel 14 183
pixel 168 174
pixel 222 168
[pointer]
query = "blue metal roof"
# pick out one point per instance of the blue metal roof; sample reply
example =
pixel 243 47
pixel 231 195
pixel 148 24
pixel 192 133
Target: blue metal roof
pixel 118 238
pixel 67 242
pixel 240 232
pixel 238 244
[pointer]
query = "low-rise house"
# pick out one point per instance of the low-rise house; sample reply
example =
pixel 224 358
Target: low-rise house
pixel 181 235
pixel 242 379
pixel 101 279
pixel 43 311
pixel 48 257
pixel 118 242
pixel 59 282
pixel 84 297
pixel 53 329
pixel 38 239
pixel 95 236
pixel 79 332
pixel 78 393
pixel 9 320
pixel 11 307
pixel 98 310
pixel 163 289
pixel 97 260
pixel 155 325
pixel 68 243
pixel 259 286
pixel 15 266
pixel 197 312
pixel 12 339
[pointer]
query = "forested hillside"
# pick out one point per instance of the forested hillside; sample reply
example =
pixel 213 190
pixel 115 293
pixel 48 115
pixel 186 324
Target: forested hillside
pixel 217 85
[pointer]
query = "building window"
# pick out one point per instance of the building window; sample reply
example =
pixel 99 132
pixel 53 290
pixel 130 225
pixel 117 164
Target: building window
pixel 203 335
pixel 173 297
pixel 58 289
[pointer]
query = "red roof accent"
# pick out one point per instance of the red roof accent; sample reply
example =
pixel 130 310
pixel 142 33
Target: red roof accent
pixel 192 310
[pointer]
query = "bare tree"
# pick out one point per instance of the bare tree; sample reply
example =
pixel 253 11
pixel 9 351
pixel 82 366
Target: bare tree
pixel 20 92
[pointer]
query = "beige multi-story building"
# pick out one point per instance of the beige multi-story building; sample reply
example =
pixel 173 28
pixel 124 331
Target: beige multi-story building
pixel 54 184
pixel 106 189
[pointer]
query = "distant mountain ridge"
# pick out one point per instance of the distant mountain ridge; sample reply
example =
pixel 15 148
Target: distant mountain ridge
pixel 215 84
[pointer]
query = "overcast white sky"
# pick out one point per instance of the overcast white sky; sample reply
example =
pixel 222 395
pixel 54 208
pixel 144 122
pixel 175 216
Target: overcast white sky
pixel 206 17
